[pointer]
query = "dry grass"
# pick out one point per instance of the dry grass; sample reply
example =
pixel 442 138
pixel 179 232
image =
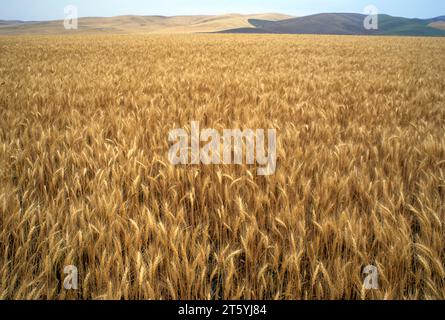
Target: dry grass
pixel 438 25
pixel 85 180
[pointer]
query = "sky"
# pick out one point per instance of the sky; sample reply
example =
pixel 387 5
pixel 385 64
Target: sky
pixel 54 9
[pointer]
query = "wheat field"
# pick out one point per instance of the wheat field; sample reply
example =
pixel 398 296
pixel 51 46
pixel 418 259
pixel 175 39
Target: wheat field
pixel 85 178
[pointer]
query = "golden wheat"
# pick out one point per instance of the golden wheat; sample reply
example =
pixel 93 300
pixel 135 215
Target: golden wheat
pixel 85 178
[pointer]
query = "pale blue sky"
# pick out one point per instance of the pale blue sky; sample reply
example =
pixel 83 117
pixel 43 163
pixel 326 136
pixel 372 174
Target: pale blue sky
pixel 53 9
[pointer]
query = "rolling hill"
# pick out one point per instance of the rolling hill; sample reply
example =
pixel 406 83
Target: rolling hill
pixel 346 24
pixel 438 25
pixel 324 23
pixel 140 24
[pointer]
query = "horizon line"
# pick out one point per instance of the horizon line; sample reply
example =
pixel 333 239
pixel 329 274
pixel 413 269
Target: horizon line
pixel 214 15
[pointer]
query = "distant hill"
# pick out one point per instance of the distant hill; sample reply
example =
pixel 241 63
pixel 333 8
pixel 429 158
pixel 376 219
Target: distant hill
pixel 441 18
pixel 9 22
pixel 140 24
pixel 324 23
pixel 347 24
pixel 438 25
